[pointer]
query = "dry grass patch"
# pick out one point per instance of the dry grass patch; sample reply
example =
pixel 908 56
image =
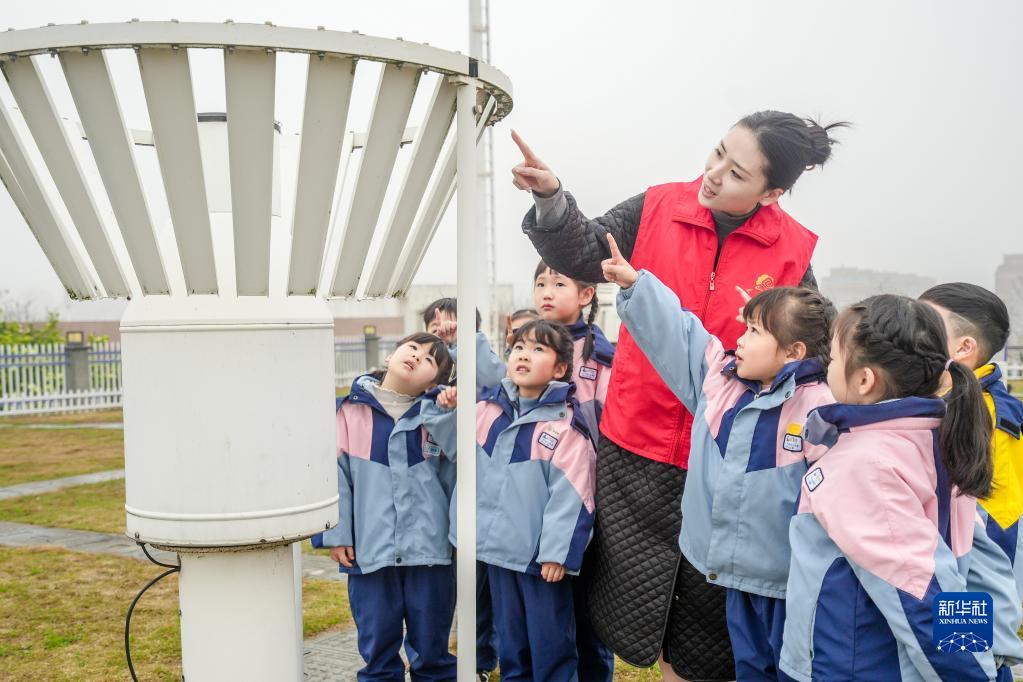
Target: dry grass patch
pixel 28 454
pixel 628 673
pixel 97 507
pixel 62 616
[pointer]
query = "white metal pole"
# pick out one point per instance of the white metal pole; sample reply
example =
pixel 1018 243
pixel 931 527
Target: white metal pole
pixel 469 284
pixel 478 48
pixel 490 212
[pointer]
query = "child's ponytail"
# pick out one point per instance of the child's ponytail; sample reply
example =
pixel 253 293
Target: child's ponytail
pixel 965 434
pixel 904 341
pixel 588 343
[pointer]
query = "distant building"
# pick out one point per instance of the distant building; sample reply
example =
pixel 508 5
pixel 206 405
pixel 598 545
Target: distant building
pixel 845 286
pixel 1009 287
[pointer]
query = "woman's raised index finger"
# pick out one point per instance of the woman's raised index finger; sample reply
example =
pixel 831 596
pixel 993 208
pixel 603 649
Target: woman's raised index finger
pixel 523 147
pixel 742 292
pixel 615 253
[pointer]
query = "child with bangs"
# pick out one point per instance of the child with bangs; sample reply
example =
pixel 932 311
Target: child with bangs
pixel 535 489
pixel 748 456
pixel 394 491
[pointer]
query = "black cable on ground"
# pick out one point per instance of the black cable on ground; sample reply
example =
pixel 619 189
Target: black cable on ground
pixel 127 620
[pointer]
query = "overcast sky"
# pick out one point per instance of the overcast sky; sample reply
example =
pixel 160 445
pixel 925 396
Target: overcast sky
pixel 616 97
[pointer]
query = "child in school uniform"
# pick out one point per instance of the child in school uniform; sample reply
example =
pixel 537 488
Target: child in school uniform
pixel 394 491
pixel 748 456
pixel 535 486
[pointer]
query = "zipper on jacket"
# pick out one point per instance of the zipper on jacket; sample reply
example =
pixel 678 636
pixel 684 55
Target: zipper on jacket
pixel 713 274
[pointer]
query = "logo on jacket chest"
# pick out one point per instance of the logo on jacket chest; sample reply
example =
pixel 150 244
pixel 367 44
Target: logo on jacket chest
pixel 793 441
pixel 814 479
pixel 763 283
pixel 588 373
pixel 431 448
pixel 549 439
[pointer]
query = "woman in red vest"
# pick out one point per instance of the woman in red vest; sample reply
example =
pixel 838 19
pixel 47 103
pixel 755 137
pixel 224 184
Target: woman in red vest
pixel 715 241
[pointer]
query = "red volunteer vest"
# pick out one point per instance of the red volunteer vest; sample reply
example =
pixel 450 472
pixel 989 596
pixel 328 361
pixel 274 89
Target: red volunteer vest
pixel 677 242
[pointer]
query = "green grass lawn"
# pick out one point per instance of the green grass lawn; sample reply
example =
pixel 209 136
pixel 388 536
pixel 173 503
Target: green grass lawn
pixel 62 616
pixel 97 507
pixel 38 454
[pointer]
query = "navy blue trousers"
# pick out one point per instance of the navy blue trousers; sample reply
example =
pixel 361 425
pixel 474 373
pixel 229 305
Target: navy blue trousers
pixel 535 626
pixel 755 626
pixel 420 598
pixel 486 637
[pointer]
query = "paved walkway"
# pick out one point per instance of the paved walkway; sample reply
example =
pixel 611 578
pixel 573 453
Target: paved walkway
pixel 53 485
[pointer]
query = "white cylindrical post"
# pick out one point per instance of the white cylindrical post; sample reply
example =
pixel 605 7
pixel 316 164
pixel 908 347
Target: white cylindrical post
pixel 468 294
pixel 237 616
pixel 477 31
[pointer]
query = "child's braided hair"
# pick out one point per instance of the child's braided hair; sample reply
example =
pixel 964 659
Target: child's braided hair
pixel 904 342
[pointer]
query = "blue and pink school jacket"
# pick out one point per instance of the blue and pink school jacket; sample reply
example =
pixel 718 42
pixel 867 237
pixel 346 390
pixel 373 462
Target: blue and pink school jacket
pixel 880 532
pixel 591 377
pixel 394 486
pixel 535 474
pixel 748 455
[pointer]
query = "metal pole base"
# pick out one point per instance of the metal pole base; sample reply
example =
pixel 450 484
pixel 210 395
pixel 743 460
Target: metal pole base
pixel 237 616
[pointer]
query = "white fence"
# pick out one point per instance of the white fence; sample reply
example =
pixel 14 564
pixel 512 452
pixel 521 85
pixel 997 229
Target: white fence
pixel 350 357
pixel 34 378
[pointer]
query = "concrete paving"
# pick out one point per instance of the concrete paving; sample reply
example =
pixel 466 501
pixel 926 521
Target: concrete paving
pixel 52 485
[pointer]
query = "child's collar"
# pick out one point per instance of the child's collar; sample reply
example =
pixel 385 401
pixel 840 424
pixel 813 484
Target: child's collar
pixel 506 394
pixel 805 371
pixel 826 423
pixel 988 374
pixel 360 393
pixel 1008 409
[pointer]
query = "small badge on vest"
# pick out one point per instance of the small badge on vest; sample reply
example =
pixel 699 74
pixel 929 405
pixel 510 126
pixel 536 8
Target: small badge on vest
pixel 588 373
pixel 548 440
pixel 793 441
pixel 431 448
pixel 814 479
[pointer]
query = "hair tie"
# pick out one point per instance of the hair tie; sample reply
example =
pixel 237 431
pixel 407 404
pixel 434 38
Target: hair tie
pixel 948 363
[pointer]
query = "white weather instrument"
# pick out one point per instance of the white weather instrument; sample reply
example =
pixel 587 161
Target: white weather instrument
pixel 228 242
